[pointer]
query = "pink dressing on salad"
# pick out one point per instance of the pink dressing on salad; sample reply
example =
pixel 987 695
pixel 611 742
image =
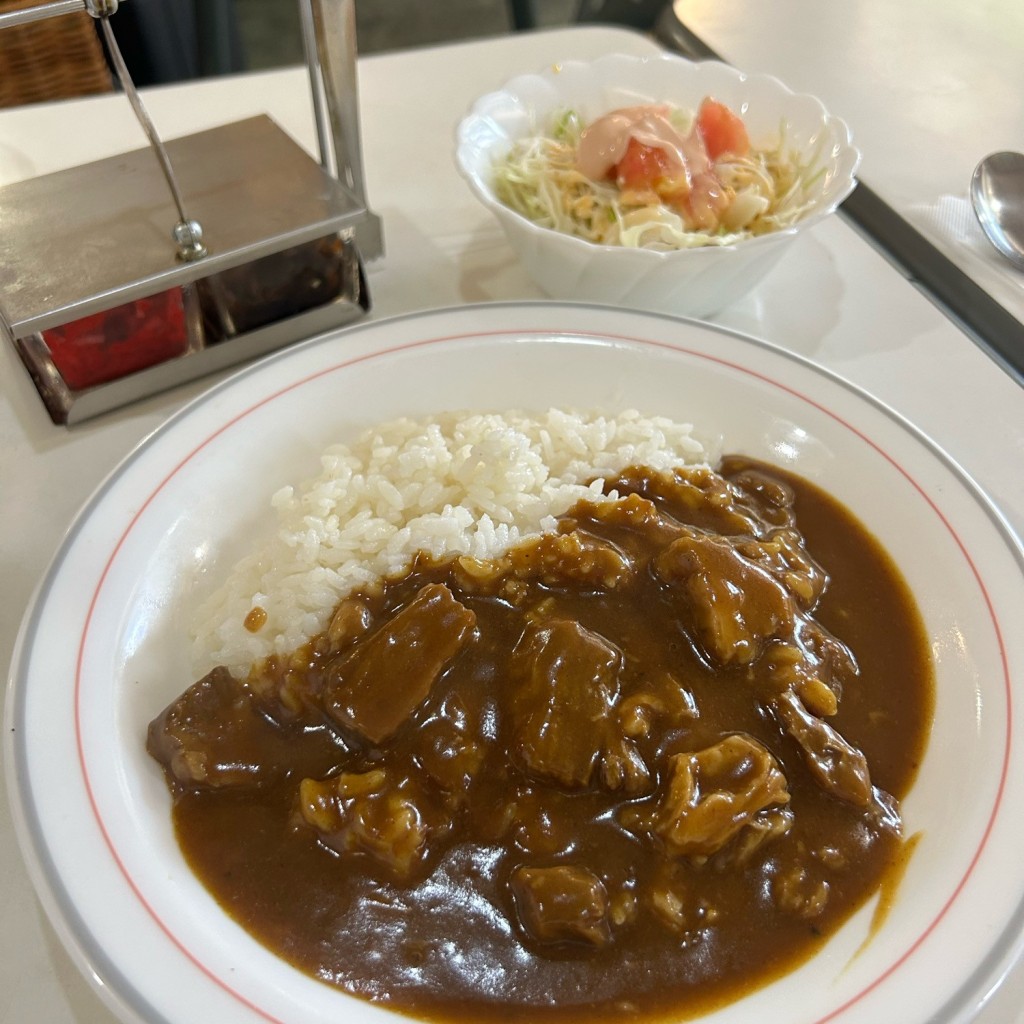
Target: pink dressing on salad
pixel 604 142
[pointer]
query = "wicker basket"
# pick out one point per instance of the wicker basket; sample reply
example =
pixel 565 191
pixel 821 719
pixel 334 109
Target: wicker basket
pixel 50 60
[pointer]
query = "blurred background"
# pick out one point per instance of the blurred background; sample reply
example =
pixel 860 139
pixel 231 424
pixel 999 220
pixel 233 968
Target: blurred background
pixel 167 41
pixel 268 32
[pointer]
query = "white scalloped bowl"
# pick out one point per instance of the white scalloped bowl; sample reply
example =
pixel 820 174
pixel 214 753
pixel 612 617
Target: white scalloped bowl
pixel 691 282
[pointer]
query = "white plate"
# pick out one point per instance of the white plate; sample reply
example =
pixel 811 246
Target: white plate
pixel 102 649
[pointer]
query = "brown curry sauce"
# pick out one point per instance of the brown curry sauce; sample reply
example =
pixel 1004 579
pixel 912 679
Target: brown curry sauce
pixel 634 769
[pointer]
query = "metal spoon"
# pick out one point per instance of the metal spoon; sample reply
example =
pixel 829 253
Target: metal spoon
pixel 997 195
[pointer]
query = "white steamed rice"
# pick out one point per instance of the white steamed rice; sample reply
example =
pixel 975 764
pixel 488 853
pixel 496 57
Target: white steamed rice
pixel 455 484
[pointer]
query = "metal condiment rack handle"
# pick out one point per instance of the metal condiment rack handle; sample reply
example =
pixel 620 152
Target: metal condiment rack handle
pixel 187 233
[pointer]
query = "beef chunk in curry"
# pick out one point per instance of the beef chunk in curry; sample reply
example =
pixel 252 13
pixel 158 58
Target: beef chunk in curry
pixel 391 821
pixel 564 726
pixel 711 795
pixel 562 904
pixel 374 687
pixel 215 736
pixel 633 767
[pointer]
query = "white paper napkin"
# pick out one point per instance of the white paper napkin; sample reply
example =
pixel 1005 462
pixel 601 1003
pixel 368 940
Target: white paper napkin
pixel 951 225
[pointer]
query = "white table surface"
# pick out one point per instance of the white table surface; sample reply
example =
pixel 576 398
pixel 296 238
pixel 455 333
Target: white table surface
pixel 833 298
pixel 928 87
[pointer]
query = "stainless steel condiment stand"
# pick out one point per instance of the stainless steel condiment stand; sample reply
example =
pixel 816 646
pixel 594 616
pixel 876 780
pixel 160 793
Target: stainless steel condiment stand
pixel 255 242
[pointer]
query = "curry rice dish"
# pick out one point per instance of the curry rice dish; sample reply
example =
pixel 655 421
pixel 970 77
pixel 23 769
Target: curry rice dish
pixel 632 765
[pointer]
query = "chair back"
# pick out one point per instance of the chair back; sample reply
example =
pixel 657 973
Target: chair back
pixel 50 60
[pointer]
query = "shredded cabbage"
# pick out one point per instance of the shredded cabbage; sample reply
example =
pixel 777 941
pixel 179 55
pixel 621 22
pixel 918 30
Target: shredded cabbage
pixel 768 190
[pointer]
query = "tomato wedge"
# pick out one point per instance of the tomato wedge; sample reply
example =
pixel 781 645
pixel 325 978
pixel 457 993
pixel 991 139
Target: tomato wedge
pixel 721 130
pixel 641 166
